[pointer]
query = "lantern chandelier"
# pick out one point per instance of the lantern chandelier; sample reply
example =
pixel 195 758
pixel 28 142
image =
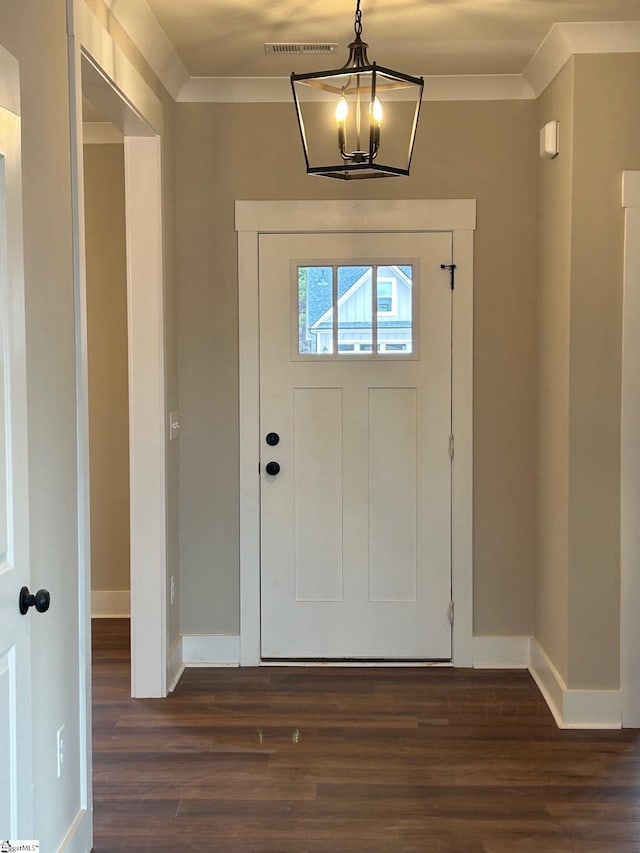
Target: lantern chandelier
pixel 361 119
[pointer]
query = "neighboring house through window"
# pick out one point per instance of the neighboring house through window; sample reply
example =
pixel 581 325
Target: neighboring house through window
pixel 353 328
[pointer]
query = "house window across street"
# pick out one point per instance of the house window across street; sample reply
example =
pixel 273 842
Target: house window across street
pixel 387 290
pixel 355 310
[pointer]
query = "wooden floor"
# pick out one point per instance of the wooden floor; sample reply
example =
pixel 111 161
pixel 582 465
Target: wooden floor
pixel 293 760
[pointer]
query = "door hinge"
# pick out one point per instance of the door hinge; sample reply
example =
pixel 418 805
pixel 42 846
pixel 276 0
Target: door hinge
pixel 450 613
pixel 452 273
pixel 451 447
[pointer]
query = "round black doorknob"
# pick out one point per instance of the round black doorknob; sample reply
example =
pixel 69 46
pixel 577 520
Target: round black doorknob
pixel 272 439
pixel 273 468
pixel 41 600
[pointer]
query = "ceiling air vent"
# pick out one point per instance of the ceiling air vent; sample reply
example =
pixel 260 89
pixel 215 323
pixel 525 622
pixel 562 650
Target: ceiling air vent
pixel 298 48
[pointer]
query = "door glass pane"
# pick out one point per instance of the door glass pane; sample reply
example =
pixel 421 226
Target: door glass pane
pixel 315 309
pixel 394 308
pixel 355 313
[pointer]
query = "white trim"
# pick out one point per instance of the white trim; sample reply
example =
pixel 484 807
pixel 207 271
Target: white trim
pixel 110 604
pixel 548 60
pixel 630 457
pixel 9 82
pixel 175 664
pixel 574 709
pixel 471 87
pixel 478 87
pixel 142 26
pixel 101 133
pixel 501 652
pixel 462 430
pixel 210 650
pixel 304 217
pixel 114 67
pixel 260 217
pixel 135 108
pixel 566 39
pixel 79 838
pixel 147 432
pixel 82 421
pixel 249 420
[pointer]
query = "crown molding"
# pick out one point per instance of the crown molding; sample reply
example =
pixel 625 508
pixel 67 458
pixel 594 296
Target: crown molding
pixel 561 42
pixel 480 87
pixel 565 40
pixel 142 26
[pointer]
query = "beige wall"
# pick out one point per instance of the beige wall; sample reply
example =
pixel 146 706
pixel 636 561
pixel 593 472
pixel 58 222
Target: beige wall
pixel 486 151
pixel 606 142
pixel 580 231
pixel 553 309
pixel 107 352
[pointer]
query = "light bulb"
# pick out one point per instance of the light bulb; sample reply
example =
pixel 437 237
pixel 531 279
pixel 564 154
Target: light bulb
pixel 342 109
pixel 377 111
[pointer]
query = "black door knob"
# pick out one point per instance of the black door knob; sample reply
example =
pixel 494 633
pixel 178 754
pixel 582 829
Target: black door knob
pixel 272 439
pixel 273 468
pixel 41 600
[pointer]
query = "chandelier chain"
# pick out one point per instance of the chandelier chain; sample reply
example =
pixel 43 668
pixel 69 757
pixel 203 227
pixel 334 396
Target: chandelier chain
pixel 358 22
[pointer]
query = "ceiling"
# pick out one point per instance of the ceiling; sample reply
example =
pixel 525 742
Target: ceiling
pixel 225 38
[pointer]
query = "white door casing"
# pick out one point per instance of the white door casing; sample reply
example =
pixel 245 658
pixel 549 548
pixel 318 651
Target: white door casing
pixel 356 525
pixel 630 458
pixel 99 65
pixel 298 217
pixel 16 806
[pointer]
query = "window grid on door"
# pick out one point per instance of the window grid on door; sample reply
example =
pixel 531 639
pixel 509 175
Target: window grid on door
pixel 351 311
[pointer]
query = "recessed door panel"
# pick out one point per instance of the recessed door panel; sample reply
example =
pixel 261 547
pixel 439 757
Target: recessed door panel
pixel 317 523
pixel 393 472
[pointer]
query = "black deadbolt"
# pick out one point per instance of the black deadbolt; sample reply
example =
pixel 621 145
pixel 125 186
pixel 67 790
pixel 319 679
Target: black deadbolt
pixel 273 468
pixel 272 439
pixel 41 600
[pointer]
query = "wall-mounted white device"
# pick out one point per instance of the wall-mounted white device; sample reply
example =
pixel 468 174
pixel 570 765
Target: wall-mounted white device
pixel 550 140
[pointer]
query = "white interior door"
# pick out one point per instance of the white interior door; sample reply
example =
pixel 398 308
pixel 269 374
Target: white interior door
pixel 355 380
pixel 15 664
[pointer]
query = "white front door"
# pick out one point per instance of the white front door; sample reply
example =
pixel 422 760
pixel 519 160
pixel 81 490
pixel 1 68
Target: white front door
pixel 355 382
pixel 15 663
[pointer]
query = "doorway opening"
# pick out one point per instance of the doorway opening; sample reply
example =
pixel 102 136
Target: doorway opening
pixel 99 71
pixel 145 351
pixel 107 356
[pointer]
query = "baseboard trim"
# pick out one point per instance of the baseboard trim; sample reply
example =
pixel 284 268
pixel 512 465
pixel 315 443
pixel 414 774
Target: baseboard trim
pixel 501 652
pixel 110 604
pixel 175 664
pixel 79 838
pixel 210 650
pixel 571 709
pixel 574 709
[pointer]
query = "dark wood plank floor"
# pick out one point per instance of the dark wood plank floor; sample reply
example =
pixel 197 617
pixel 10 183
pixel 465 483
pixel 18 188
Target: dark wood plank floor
pixel 293 760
